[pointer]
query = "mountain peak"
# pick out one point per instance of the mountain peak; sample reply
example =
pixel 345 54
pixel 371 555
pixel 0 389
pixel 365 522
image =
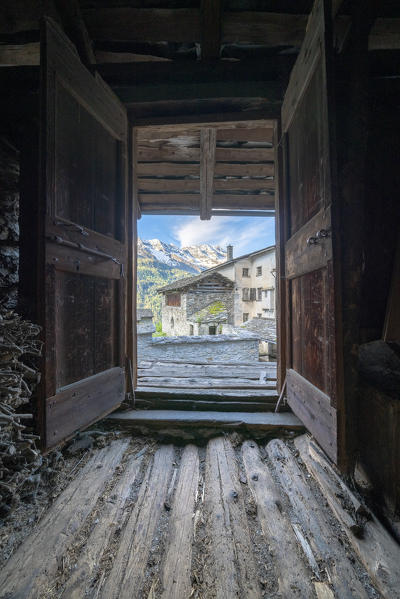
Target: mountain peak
pixel 195 258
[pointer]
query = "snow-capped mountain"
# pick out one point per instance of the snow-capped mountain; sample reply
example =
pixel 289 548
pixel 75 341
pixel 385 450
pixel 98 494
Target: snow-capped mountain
pixel 194 258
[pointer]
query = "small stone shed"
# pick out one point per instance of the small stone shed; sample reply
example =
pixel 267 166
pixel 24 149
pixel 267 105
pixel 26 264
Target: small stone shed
pixel 197 305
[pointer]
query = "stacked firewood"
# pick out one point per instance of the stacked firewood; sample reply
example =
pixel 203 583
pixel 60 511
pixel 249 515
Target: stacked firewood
pixel 19 456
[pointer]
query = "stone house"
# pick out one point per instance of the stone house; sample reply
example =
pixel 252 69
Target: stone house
pixel 198 305
pixel 254 278
pixel 221 297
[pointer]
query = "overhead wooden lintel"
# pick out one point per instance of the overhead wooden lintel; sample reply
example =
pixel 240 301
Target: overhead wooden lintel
pixel 138 73
pixel 272 91
pixel 211 12
pixel 208 138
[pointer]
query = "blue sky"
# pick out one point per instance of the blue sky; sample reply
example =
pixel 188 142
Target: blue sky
pixel 246 234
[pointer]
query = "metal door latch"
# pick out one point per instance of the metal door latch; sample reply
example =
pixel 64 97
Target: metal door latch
pixel 321 234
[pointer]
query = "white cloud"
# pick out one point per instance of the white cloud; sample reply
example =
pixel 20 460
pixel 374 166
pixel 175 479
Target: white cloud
pixel 245 234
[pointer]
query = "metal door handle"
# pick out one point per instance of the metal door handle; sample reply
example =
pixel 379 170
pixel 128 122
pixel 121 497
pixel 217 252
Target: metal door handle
pixel 321 234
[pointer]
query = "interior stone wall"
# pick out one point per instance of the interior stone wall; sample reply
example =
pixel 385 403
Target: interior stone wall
pixel 9 223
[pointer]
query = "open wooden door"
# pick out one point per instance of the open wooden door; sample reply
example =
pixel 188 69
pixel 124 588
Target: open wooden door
pixel 82 242
pixel 314 372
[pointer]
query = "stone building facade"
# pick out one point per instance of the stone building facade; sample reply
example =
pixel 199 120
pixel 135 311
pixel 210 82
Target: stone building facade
pixel 254 278
pixel 198 305
pixel 222 297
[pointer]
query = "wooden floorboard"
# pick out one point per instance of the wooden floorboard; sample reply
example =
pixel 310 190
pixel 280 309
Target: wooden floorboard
pixel 29 570
pixel 292 572
pixel 232 568
pixel 375 547
pixel 325 543
pixel 175 578
pixel 81 582
pixel 227 520
pixel 127 575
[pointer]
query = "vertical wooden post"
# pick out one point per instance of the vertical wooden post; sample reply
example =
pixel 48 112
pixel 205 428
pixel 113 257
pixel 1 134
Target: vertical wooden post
pixel 208 138
pixel 280 237
pixel 353 120
pixel 211 11
pixel 132 252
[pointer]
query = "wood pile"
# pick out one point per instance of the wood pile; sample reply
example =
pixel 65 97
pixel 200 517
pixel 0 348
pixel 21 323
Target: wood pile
pixel 19 456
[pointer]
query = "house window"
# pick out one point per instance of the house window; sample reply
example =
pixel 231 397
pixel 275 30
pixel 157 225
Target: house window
pixel 252 294
pixel 259 294
pixel 270 299
pixel 259 271
pixel 245 294
pixel 212 330
pixel 172 322
pixel 245 272
pixel 191 329
pixel 245 316
pixel 259 315
pixel 173 299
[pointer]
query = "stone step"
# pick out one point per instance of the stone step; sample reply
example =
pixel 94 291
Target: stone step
pixel 187 424
pixel 202 404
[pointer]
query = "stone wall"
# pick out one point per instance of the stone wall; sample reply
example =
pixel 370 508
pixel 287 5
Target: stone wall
pixel 196 301
pixel 240 348
pixel 175 314
pixel 9 225
pixel 192 302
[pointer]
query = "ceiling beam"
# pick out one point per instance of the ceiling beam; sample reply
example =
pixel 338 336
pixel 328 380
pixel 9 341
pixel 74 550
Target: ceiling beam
pixel 144 24
pixel 208 139
pixel 211 13
pixel 272 91
pixel 125 73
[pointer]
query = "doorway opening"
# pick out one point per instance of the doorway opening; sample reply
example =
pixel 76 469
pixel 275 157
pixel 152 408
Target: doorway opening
pixel 217 288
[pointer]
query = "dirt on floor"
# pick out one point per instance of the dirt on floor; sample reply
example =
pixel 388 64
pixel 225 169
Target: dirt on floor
pixel 61 466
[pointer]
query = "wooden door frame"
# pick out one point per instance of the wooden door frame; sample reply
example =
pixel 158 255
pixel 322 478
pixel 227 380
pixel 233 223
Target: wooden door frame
pixel 280 295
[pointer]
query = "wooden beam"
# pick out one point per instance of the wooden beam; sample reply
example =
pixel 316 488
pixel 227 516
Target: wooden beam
pixel 22 54
pixel 167 169
pixel 173 201
pixel 263 169
pixel 244 201
pixel 243 184
pixel 272 91
pixel 245 154
pixel 266 113
pixel 228 121
pixel 170 72
pixel 266 28
pixel 168 185
pixel 75 28
pixel 246 134
pixel 207 165
pixel 168 153
pixel 144 24
pixel 211 12
pixel 193 185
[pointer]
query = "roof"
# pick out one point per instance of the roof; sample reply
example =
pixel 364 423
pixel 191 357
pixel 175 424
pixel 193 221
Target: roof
pixel 190 281
pixel 250 255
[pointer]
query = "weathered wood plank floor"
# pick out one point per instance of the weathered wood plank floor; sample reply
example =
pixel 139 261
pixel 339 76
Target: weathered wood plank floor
pixel 203 386
pixel 227 520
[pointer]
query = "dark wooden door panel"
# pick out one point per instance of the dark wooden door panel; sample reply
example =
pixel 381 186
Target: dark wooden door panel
pixel 84 246
pixel 309 211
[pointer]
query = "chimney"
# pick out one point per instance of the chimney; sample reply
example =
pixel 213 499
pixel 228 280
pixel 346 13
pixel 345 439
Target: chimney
pixel 229 252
